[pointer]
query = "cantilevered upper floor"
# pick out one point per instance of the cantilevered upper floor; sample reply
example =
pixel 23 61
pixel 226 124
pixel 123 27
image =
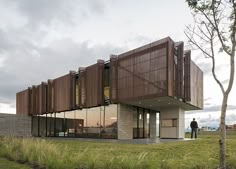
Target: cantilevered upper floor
pixel 156 75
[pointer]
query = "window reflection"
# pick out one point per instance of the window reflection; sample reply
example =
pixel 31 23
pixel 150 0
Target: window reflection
pixel 98 122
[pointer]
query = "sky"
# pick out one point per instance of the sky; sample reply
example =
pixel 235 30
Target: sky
pixel 45 39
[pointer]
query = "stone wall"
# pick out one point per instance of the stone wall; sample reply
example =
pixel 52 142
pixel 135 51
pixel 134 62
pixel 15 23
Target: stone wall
pixel 15 125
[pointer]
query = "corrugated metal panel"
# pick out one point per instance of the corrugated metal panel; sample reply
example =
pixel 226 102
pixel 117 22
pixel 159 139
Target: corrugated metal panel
pixel 187 68
pixel 23 102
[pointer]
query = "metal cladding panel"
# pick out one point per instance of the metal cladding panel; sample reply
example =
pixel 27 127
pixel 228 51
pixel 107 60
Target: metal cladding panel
pixel 42 98
pixel 82 87
pixel 187 83
pixel 62 89
pixel 113 79
pixel 178 61
pixel 23 102
pixel 73 89
pixel 170 68
pixel 37 99
pixel 142 73
pixel 196 80
pixel 34 100
pixel 95 85
pixel 50 97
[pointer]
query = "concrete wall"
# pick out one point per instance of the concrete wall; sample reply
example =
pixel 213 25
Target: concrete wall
pixel 169 113
pixel 125 121
pixel 15 125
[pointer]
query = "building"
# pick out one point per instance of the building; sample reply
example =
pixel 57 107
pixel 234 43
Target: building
pixel 142 93
pixel 232 126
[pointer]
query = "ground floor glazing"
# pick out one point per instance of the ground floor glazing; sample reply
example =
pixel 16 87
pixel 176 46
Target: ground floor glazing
pixel 98 122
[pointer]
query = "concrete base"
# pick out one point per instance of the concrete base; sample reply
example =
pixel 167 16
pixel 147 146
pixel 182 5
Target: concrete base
pixel 15 125
pixel 125 121
pixel 175 117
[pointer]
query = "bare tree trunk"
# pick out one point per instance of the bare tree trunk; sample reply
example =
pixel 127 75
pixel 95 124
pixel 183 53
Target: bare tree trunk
pixel 222 140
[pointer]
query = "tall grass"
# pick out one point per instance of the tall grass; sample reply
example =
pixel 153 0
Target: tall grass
pixel 74 154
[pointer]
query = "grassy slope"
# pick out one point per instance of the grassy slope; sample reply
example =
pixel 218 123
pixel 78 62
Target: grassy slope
pixel 6 164
pixel 201 153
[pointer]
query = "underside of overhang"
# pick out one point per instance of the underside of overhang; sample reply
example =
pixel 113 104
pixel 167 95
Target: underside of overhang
pixel 162 102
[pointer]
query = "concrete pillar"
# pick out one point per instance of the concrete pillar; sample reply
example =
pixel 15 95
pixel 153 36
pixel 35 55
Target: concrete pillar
pixel 172 122
pixel 125 121
pixel 152 121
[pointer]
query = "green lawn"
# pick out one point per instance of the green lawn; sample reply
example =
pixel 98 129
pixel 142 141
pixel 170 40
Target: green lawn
pixel 6 164
pixel 61 154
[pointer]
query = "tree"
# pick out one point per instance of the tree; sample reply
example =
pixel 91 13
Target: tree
pixel 213 33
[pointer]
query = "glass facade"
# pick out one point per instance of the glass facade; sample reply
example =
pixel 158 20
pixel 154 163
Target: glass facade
pixel 141 123
pixel 97 122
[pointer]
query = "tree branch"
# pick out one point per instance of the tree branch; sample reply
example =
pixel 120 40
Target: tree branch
pixel 191 39
pixel 232 57
pixel 217 28
pixel 213 64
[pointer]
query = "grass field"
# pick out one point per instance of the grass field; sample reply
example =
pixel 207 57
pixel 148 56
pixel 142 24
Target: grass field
pixel 66 154
pixel 6 164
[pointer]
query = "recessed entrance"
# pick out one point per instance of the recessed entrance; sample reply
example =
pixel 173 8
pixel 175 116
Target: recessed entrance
pixel 141 123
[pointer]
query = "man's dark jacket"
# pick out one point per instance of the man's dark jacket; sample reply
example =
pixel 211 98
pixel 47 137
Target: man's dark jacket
pixel 194 125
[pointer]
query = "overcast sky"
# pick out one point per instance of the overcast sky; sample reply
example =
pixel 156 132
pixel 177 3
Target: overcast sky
pixel 45 39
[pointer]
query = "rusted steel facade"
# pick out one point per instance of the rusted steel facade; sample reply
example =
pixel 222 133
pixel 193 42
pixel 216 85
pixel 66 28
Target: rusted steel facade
pixel 23 102
pixel 64 93
pixel 196 82
pixel 50 99
pixel 187 82
pixel 143 73
pixel 158 69
pixel 94 84
pixel 179 64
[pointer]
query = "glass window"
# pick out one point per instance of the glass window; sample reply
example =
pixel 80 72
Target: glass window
pixel 42 126
pixel 34 126
pixel 106 83
pixel 77 91
pixel 50 124
pixel 81 123
pixel 59 126
pixel 94 122
pixel 70 123
pixel 109 129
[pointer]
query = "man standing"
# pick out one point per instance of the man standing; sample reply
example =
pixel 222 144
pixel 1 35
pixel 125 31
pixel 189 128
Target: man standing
pixel 194 127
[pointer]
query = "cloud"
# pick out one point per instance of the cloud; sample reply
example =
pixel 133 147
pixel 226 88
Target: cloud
pixel 213 108
pixel 29 67
pixel 44 11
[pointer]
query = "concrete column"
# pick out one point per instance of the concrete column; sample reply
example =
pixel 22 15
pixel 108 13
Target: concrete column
pixel 181 123
pixel 125 121
pixel 152 121
pixel 168 114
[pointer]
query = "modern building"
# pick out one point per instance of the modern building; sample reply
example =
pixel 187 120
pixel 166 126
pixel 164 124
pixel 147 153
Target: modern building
pixel 142 93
